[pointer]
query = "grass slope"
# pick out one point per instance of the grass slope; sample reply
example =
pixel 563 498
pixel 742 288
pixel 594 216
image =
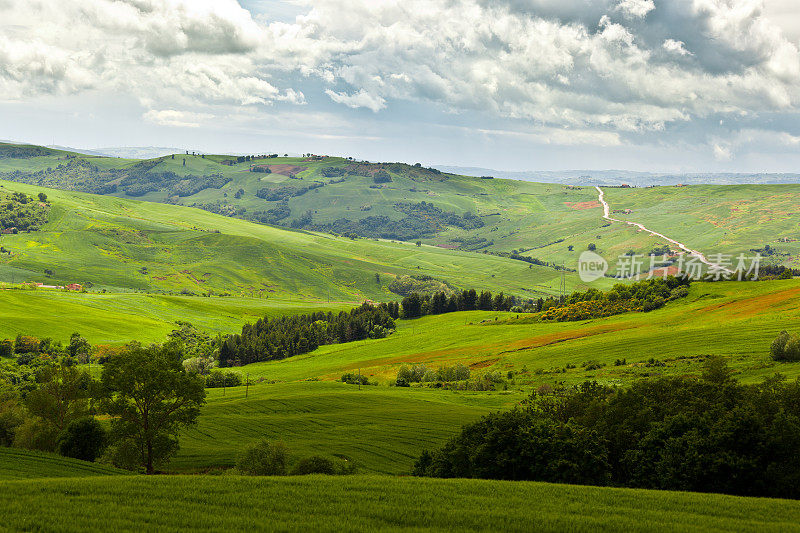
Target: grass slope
pixel 16 463
pixel 542 220
pixel 116 318
pixel 115 243
pixel 379 429
pixel 719 219
pixel 383 429
pixel 736 320
pixel 318 503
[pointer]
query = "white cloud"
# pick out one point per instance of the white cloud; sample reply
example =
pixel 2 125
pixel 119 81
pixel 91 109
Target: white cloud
pixel 601 71
pixel 181 119
pixel 676 47
pixel 636 8
pixel 359 99
pixel 722 152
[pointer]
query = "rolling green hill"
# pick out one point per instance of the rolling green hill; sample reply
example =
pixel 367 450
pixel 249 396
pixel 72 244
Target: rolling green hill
pixel 320 503
pixel 112 243
pixel 16 463
pixel 549 222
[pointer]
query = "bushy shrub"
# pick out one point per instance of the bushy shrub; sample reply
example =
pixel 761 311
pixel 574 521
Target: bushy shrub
pixel 36 434
pixel 82 439
pixel 6 348
pixel 786 347
pixel 263 458
pixel 12 415
pixel 221 378
pixel 354 379
pixel 314 464
pixel 199 365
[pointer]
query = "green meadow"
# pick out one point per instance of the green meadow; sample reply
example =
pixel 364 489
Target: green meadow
pixel 16 463
pixel 372 503
pixel 550 222
pixel 147 264
pixel 119 317
pixel 116 244
pixel 735 320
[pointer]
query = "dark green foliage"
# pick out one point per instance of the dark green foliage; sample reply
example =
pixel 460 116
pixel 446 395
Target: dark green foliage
pixel 142 181
pixel 263 458
pixel 710 435
pixel 285 336
pixel 592 247
pixel 82 439
pixel 22 151
pixel 279 194
pixel 421 219
pixel 428 211
pixel 314 464
pixel 333 172
pixel 21 212
pixel 353 378
pixel 150 397
pixel 6 348
pixel 381 176
pixel 645 295
pixel 220 378
pixel 412 306
pixel 786 347
pixel 274 215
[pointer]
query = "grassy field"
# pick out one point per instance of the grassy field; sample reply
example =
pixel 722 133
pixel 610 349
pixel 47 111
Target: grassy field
pixel 541 220
pixel 116 318
pixel 719 219
pixel 735 320
pixel 319 503
pixel 16 463
pixel 122 244
pixel 383 429
pixel 378 429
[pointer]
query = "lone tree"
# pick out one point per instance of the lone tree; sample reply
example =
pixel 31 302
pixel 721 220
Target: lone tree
pixel 151 397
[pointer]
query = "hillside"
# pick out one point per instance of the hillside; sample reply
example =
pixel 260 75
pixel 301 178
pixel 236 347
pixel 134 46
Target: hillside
pixel 16 463
pixel 322 503
pixel 547 222
pixel 112 243
pixel 736 320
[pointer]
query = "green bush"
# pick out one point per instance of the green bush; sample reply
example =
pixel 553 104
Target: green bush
pixel 314 464
pixel 82 439
pixel 786 347
pixel 220 378
pixel 263 458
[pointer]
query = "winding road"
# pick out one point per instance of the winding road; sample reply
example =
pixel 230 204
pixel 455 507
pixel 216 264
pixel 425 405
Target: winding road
pixel 699 255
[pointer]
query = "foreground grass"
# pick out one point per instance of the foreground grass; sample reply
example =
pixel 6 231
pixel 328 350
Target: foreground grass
pixel 319 503
pixel 16 463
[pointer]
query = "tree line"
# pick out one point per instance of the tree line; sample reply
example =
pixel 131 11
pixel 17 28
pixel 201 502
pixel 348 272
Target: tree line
pixel 710 434
pixel 285 336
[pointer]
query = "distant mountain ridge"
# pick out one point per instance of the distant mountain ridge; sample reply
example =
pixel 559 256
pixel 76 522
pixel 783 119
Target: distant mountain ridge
pixel 621 177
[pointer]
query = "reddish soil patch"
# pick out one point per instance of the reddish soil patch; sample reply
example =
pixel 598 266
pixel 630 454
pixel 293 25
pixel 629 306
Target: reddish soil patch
pixel 284 170
pixel 583 205
pixel 484 364
pixel 753 306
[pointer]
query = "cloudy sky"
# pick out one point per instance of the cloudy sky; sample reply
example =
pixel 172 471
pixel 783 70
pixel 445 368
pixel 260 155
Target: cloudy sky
pixel 662 85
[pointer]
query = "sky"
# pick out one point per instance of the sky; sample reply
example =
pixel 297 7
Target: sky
pixel 648 85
